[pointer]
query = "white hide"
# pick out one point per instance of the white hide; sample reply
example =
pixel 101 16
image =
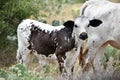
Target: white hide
pixel 107 33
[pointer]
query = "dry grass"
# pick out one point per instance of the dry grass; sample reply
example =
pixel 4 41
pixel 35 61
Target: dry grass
pixel 67 12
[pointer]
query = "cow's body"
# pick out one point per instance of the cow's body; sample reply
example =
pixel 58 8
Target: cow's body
pixel 44 40
pixel 106 33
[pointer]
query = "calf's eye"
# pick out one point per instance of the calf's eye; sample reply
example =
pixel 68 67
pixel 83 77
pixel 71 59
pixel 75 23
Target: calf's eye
pixel 76 26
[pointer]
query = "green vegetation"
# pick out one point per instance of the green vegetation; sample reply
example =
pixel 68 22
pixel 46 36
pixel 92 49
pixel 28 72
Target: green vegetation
pixel 111 57
pixel 12 12
pixel 19 72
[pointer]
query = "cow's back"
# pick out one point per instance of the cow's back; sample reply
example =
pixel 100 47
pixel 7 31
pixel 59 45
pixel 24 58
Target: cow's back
pixel 99 8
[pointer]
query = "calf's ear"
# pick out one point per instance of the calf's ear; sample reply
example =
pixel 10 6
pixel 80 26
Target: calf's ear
pixel 95 22
pixel 69 24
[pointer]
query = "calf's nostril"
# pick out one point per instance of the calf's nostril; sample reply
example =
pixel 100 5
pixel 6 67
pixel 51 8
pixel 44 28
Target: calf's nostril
pixel 83 36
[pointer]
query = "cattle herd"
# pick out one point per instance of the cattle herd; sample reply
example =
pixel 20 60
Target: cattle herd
pixel 98 23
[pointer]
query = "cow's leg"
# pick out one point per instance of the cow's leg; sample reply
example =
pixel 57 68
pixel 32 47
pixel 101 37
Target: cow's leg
pixel 98 59
pixel 19 56
pixel 63 72
pixel 95 45
pixel 66 63
pixel 27 58
pixel 95 53
pixel 24 56
pixel 42 61
pixel 81 57
pixel 61 63
pixel 70 60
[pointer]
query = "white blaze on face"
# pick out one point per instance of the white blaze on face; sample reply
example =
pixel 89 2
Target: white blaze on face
pixel 81 23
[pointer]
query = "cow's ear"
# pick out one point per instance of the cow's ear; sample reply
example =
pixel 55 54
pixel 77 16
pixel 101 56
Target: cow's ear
pixel 69 24
pixel 95 22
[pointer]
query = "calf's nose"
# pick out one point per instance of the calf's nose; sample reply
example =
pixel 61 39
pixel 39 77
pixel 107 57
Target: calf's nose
pixel 83 36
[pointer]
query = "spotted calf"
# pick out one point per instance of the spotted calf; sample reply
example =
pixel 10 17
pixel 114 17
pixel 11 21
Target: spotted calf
pixel 44 40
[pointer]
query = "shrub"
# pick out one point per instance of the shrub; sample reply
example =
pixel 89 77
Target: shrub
pixel 111 52
pixel 18 69
pixel 12 12
pixel 3 74
pixel 55 23
pixel 19 72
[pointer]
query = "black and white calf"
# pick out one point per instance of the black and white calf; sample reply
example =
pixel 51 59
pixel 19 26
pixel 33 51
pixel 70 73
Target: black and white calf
pixel 43 40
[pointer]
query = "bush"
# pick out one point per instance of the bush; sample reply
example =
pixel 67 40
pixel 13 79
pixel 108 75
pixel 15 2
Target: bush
pixel 19 72
pixel 18 69
pixel 55 23
pixel 12 13
pixel 3 74
pixel 111 53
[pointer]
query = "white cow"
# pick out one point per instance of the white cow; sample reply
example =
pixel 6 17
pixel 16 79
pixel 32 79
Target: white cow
pixel 105 14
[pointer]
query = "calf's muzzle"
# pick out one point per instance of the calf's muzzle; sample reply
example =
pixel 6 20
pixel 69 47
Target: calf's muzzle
pixel 83 36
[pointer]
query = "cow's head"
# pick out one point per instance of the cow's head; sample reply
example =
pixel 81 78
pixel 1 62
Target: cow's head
pixel 82 24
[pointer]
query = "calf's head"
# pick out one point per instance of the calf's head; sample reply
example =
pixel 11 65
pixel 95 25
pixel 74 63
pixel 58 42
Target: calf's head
pixel 82 24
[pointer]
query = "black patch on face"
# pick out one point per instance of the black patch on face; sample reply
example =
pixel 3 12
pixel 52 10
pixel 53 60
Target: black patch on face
pixel 95 22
